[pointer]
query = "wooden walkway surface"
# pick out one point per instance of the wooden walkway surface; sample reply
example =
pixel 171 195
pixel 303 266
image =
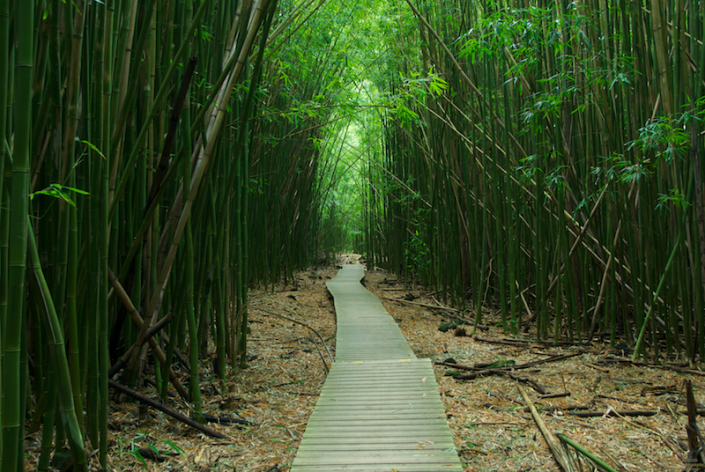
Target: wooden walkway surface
pixel 379 409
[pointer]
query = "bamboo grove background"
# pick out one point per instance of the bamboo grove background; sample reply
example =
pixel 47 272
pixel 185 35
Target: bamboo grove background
pixel 544 157
pixel 158 157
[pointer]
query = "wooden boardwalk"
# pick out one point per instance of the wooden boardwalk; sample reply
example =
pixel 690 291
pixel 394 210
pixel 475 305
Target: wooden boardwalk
pixel 379 409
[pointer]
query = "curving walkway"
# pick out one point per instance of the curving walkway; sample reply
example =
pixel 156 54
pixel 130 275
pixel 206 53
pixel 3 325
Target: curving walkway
pixel 379 409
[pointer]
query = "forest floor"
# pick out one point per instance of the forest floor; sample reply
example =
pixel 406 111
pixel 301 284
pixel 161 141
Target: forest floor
pixel 492 426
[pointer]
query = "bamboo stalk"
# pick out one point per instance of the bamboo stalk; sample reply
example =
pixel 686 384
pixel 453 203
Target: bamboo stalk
pixel 640 340
pixel 599 462
pixel 63 376
pixel 559 454
pixel 12 435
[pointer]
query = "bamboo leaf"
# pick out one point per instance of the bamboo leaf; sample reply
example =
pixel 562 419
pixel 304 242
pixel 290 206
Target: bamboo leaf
pixel 91 145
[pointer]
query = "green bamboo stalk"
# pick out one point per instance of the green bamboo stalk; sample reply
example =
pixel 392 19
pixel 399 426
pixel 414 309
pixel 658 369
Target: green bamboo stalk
pixel 599 462
pixel 640 340
pixel 194 382
pixel 13 437
pixel 4 203
pixel 49 418
pixel 4 71
pixel 61 366
pixel 4 276
pixel 104 232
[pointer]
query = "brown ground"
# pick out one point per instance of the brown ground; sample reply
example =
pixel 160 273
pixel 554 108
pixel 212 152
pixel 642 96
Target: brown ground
pixel 487 416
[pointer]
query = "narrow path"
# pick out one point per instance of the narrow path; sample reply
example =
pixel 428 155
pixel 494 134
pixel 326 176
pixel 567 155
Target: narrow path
pixel 379 409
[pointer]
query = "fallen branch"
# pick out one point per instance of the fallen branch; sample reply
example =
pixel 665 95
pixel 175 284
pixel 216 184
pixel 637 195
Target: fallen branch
pixel 139 322
pixel 150 333
pixel 156 456
pixel 596 367
pixel 225 420
pixel 555 395
pixel 325 366
pixel 624 361
pixel 484 373
pixel 537 386
pixel 425 305
pixel 508 368
pixel 695 452
pixel 681 370
pixel 165 409
pixel 611 413
pixel 563 459
pixel 503 342
pixel 459 366
pixel 572 411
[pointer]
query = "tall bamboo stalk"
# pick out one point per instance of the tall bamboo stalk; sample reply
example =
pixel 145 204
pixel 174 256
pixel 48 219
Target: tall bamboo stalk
pixel 13 437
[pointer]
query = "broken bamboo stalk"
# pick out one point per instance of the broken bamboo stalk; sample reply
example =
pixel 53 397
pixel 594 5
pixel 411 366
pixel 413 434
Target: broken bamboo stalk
pixel 563 459
pixel 125 299
pixel 695 453
pixel 536 386
pixel 598 462
pixel 554 395
pixel 165 409
pixel 424 305
pixel 485 371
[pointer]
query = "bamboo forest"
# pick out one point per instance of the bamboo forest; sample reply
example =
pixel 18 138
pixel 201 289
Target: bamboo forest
pixel 169 167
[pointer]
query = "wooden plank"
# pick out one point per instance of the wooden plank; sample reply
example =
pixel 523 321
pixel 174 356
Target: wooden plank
pixel 401 458
pixel 384 383
pixel 359 407
pixel 350 398
pixel 422 373
pixel 370 418
pixel 428 420
pixel 404 435
pixel 397 446
pixel 399 430
pixel 362 408
pixel 377 457
pixel 380 390
pixel 448 467
pixel 414 400
pixel 354 439
pixel 419 456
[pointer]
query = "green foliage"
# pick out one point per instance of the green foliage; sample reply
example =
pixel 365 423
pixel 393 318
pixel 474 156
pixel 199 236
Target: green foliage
pixel 139 457
pixel 673 198
pixel 91 146
pixel 617 168
pixel 664 138
pixel 60 192
pixel 174 447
